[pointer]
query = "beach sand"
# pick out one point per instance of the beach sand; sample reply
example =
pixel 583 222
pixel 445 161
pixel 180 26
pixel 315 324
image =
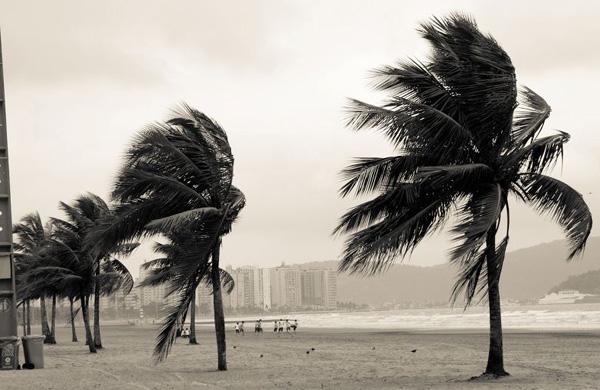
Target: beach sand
pixel 342 359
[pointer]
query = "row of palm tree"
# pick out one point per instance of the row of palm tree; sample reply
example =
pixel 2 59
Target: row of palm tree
pixel 176 183
pixel 55 260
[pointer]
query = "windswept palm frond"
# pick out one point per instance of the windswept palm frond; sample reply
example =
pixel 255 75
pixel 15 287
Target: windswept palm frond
pixel 373 249
pixel 459 177
pixel 175 221
pixel 168 330
pixel 472 277
pixel 541 154
pixel 479 215
pixel 564 204
pixel 529 118
pixel 414 126
pixel 368 174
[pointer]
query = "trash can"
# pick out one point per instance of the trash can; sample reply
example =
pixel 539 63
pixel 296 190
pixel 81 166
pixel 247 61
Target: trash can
pixel 33 347
pixel 9 353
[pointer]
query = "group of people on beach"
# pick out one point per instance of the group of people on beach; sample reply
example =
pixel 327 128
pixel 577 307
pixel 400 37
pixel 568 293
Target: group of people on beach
pixel 278 326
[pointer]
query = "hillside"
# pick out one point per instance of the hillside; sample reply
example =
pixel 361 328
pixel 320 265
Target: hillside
pixel 587 283
pixel 528 273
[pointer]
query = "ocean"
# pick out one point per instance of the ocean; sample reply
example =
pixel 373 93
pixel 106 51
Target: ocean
pixel 559 316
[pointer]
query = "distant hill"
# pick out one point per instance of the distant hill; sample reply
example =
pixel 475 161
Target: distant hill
pixel 587 283
pixel 528 274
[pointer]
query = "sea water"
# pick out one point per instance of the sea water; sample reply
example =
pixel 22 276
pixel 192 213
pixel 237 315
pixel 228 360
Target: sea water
pixel 559 316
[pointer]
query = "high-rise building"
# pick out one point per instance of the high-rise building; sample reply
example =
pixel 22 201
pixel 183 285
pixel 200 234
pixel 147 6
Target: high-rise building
pixel 286 287
pixel 155 294
pixel 204 298
pixel 265 288
pixel 319 288
pixel 331 297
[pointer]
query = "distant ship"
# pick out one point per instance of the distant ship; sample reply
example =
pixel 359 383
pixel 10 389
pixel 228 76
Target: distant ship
pixel 563 296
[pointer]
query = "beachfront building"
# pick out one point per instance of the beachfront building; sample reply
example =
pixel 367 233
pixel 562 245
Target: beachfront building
pixel 252 288
pixel 265 288
pixel 289 287
pixel 120 304
pixel 204 298
pixel 155 295
pixel 319 288
pixel 286 287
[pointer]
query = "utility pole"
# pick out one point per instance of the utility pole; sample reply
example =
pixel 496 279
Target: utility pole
pixel 8 296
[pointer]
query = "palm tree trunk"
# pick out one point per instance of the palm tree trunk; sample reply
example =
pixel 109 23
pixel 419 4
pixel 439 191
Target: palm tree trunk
pixel 53 320
pixel 73 333
pixel 28 317
pixel 193 320
pixel 97 336
pixel 495 364
pixel 86 302
pixel 44 315
pixel 218 309
pixel 86 323
pixel 24 319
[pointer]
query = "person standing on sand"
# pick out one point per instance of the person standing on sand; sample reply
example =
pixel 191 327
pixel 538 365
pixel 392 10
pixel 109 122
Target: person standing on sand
pixel 287 326
pixel 275 326
pixel 258 326
pixel 295 325
pixel 237 327
pixel 242 328
pixel 281 325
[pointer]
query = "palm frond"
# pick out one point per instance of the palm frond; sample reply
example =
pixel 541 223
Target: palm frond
pixel 368 174
pixel 540 155
pixel 479 73
pixel 472 278
pixel 412 125
pixel 529 118
pixel 375 248
pixel 168 330
pixel 460 177
pixel 565 205
pixel 475 218
pixel 175 221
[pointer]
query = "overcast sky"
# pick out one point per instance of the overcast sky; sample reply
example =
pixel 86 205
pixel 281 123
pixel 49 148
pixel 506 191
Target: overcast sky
pixel 82 77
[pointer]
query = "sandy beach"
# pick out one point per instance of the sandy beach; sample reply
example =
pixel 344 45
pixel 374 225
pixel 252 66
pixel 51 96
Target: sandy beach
pixel 342 359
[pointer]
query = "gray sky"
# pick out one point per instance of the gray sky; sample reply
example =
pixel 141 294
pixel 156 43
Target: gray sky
pixel 81 77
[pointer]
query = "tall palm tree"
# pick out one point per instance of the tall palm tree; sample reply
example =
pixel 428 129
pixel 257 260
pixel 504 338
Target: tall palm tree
pixel 29 242
pixel 176 173
pixel 86 213
pixel 182 242
pixel 76 274
pixel 463 145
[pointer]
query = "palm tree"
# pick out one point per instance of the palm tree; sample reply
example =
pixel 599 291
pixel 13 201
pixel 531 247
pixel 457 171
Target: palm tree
pixel 86 213
pixel 176 173
pixel 182 243
pixel 76 274
pixel 30 240
pixel 463 145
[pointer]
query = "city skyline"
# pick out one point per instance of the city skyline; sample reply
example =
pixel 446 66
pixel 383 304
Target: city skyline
pixel 288 287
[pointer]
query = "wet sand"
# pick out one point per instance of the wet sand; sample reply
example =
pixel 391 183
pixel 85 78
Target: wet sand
pixel 342 359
